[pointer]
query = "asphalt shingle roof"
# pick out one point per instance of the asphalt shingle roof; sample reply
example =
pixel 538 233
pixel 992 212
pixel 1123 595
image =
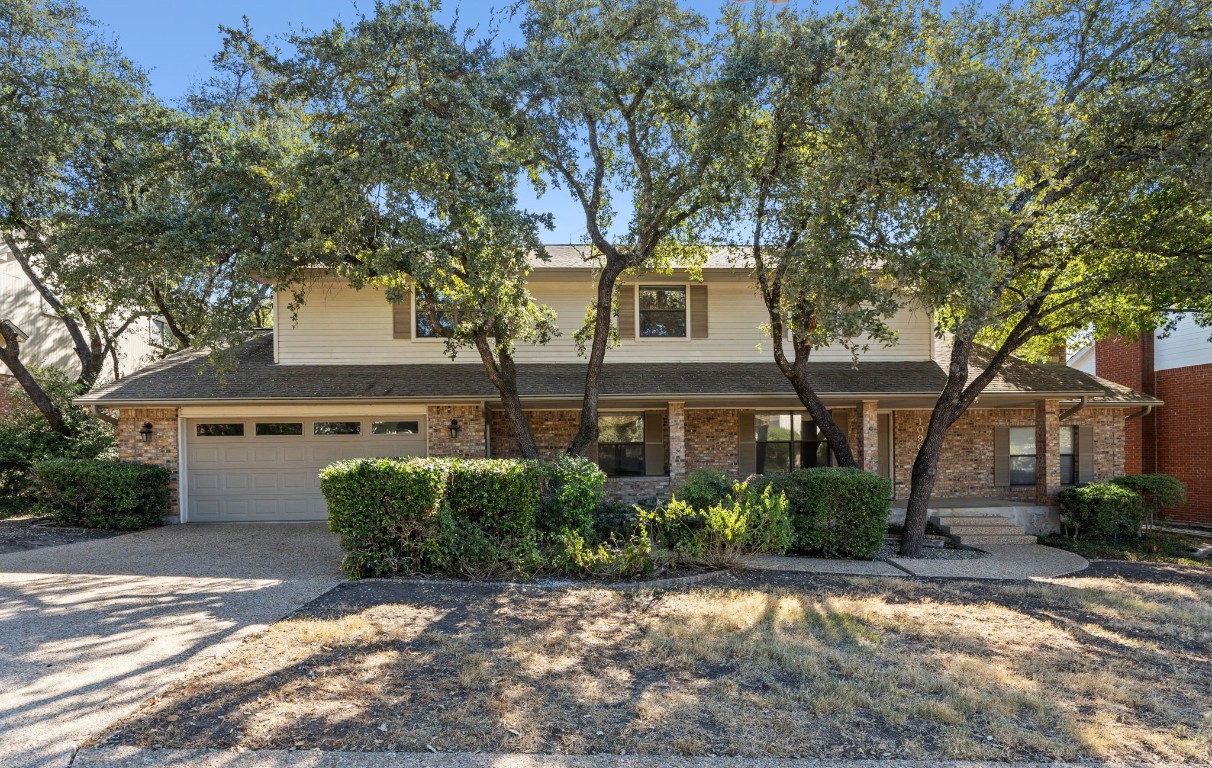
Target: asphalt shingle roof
pixel 187 377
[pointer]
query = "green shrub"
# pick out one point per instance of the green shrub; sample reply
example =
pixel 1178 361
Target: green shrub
pixel 572 554
pixel 386 513
pixel 703 488
pixel 1157 492
pixel 747 520
pixel 572 494
pixel 26 439
pixel 615 519
pixel 836 511
pixel 93 493
pixel 1100 511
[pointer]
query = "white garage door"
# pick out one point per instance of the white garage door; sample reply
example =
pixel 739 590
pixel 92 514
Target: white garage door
pixel 259 470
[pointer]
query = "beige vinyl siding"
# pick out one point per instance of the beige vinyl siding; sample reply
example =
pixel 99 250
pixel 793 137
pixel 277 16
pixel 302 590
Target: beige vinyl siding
pixel 341 325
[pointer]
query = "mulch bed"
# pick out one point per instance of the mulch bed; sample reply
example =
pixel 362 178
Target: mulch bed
pixel 18 534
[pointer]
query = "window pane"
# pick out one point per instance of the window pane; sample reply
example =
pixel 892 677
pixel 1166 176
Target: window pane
pixel 220 430
pixel 621 428
pixel 621 459
pixel 773 457
pixel 1068 468
pixel 814 453
pixel 663 311
pixel 774 427
pixel 433 320
pixel 395 427
pixel 1022 441
pixel 338 428
pixel 277 429
pixel 1022 470
pixel 1068 439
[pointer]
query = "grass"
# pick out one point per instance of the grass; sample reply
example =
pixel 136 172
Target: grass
pixel 1155 547
pixel 1075 668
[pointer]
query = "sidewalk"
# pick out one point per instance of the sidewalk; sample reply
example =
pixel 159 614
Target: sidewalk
pixel 1005 561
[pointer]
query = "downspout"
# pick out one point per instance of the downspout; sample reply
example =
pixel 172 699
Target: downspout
pixel 1140 414
pixel 1077 408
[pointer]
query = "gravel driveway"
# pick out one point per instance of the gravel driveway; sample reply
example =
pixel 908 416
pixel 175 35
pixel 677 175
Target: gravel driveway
pixel 90 630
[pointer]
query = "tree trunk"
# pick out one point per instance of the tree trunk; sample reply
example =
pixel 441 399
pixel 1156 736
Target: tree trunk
pixel 503 376
pixel 797 374
pixel 587 432
pixel 10 353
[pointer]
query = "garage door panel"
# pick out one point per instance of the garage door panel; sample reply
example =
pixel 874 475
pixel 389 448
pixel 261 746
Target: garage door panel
pixel 275 478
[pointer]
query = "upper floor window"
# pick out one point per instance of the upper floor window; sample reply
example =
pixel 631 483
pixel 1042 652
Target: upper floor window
pixel 1068 455
pixel 663 311
pixel 436 319
pixel 787 441
pixel 621 444
pixel 1022 456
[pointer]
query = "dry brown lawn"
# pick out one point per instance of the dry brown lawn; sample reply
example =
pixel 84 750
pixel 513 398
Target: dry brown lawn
pixel 1073 668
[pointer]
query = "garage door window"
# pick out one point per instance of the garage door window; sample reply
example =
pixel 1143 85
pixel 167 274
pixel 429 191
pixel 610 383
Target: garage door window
pixel 338 428
pixel 395 427
pixel 279 428
pixel 220 430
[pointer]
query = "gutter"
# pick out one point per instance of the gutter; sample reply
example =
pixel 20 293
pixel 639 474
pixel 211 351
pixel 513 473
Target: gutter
pixel 1140 414
pixel 1077 409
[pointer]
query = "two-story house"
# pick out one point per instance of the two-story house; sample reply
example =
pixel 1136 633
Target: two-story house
pixel 692 384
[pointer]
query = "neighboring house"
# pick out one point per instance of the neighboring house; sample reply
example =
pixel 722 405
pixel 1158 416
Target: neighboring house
pixel 48 344
pixel 1175 368
pixel 692 384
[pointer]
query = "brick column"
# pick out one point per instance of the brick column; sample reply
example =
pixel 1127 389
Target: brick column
pixel 1047 450
pixel 677 441
pixel 161 448
pixel 868 446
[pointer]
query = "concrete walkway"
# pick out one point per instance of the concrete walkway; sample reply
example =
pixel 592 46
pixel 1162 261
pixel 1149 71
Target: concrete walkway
pixel 1018 561
pixel 89 631
pixel 131 757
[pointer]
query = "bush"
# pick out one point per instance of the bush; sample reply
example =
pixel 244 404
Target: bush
pixel 704 488
pixel 112 495
pixel 747 520
pixel 26 439
pixel 572 494
pixel 1100 511
pixel 1157 492
pixel 615 519
pixel 836 511
pixel 573 554
pixel 386 513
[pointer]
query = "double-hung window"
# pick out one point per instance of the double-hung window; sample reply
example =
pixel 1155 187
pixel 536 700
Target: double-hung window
pixel 1022 456
pixel 621 444
pixel 436 319
pixel 1068 455
pixel 787 441
pixel 663 311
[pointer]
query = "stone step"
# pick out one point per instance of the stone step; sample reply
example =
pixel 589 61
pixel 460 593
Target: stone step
pixel 983 530
pixel 977 541
pixel 970 520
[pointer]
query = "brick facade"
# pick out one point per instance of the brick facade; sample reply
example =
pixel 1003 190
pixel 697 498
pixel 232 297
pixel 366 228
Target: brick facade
pixel 552 431
pixel 1130 362
pixel 470 442
pixel 162 449
pixel 711 440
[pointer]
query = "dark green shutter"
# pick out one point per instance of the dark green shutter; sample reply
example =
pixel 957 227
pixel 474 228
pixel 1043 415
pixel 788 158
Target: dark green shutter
pixel 654 442
pixel 1001 456
pixel 1085 453
pixel 746 448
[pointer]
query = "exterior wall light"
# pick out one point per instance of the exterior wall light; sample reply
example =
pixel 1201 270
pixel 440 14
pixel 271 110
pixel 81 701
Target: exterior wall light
pixel 454 428
pixel 145 431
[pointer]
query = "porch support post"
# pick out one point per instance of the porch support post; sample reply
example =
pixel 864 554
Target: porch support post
pixel 1047 450
pixel 868 436
pixel 677 441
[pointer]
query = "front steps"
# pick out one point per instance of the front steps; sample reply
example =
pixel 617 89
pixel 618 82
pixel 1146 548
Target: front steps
pixel 973 528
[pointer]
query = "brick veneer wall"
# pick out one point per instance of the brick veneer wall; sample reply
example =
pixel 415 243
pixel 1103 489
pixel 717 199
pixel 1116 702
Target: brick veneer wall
pixel 966 464
pixel 552 430
pixel 711 440
pixel 1184 437
pixel 470 442
pixel 161 450
pixel 1130 362
pixel 636 489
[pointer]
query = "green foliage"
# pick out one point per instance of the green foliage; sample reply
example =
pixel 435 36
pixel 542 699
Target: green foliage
pixel 836 511
pixel 93 493
pixel 1157 492
pixel 747 520
pixel 703 488
pixel 1100 512
pixel 573 493
pixel 1152 547
pixel 26 438
pixel 573 554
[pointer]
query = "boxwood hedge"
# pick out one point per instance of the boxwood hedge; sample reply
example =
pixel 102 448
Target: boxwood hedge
pixel 836 511
pixel 96 493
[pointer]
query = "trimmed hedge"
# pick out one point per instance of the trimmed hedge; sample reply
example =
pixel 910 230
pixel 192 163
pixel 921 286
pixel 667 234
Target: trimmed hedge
pixel 836 511
pixel 1100 511
pixel 1157 492
pixel 474 518
pixel 95 493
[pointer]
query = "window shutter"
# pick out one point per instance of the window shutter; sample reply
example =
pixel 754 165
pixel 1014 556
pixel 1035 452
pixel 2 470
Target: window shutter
pixel 698 311
pixel 746 448
pixel 401 316
pixel 1085 453
pixel 626 320
pixel 654 442
pixel 842 419
pixel 1001 456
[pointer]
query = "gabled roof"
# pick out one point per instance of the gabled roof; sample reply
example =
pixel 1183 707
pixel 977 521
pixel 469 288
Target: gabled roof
pixel 186 377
